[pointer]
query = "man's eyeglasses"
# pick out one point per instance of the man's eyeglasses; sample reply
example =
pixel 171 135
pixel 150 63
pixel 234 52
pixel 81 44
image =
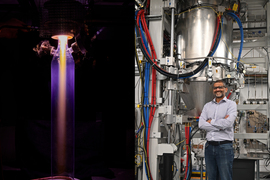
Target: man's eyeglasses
pixel 218 87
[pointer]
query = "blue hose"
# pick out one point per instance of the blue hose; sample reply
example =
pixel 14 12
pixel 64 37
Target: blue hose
pixel 242 34
pixel 145 170
pixel 146 83
pixel 146 88
pixel 139 129
pixel 188 170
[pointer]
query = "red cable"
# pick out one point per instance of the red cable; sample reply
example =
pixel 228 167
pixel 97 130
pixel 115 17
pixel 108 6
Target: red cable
pixel 186 135
pixel 144 47
pixel 218 22
pixel 138 17
pixel 187 131
pixel 152 111
pixel 148 37
pixel 186 156
pixel 146 32
pixel 153 70
pixel 153 102
pixel 229 94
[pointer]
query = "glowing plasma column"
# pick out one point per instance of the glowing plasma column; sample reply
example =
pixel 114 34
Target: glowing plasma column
pixel 62 110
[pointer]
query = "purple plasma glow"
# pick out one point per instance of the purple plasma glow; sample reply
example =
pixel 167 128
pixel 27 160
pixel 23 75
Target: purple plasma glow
pixel 62 111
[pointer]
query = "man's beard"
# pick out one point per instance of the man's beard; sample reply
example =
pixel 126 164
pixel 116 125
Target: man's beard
pixel 219 96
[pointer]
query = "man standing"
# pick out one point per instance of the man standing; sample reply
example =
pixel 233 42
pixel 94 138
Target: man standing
pixel 217 118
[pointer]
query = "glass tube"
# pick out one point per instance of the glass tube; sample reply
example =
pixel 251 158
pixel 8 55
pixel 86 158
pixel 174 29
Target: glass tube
pixel 62 110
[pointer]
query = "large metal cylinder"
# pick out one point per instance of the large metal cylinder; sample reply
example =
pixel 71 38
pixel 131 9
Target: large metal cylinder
pixel 195 30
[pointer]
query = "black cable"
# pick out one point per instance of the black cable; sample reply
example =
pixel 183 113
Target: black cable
pixel 190 167
pixel 170 75
pixel 194 128
pixel 175 168
pixel 194 133
pixel 190 160
pixel 240 117
pixel 179 133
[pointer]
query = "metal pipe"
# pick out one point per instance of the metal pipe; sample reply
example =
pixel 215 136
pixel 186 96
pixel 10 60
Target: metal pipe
pixel 168 130
pixel 169 97
pixel 248 87
pixel 172 33
pixel 201 168
pixel 258 169
pixel 261 86
pixel 255 28
pixel 264 21
pixel 255 88
pixel 208 57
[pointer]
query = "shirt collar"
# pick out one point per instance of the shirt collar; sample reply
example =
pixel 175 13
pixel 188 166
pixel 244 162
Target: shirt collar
pixel 223 100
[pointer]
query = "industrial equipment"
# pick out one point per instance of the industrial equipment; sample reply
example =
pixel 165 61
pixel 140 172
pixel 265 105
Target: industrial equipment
pixel 181 48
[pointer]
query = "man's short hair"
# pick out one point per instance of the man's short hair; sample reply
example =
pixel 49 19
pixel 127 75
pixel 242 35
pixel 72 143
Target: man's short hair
pixel 220 81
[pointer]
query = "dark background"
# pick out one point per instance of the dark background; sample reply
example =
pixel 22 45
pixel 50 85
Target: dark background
pixel 104 97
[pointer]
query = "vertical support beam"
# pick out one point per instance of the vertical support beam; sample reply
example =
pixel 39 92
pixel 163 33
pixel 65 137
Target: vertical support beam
pixel 201 158
pixel 172 33
pixel 156 33
pixel 257 169
pixel 156 26
pixel 268 49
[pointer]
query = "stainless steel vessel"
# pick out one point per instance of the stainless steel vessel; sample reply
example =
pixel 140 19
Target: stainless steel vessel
pixel 195 30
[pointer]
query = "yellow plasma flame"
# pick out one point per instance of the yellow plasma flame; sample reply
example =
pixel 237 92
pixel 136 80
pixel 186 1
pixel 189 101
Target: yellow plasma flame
pixel 61 118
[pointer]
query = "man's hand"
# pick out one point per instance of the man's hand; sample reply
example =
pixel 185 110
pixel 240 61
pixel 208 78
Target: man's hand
pixel 209 120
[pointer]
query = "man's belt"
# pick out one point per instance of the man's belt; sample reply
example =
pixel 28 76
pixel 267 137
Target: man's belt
pixel 216 143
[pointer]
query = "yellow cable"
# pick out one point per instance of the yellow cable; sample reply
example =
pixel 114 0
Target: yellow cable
pixel 140 159
pixel 180 142
pixel 187 147
pixel 145 153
